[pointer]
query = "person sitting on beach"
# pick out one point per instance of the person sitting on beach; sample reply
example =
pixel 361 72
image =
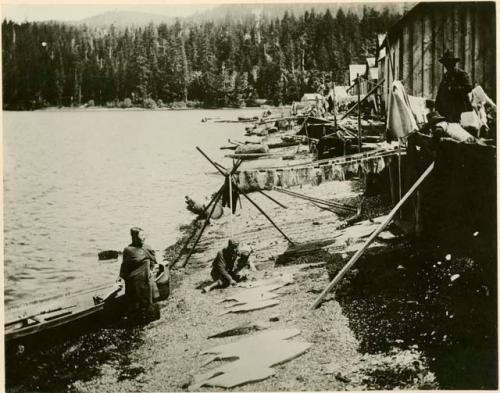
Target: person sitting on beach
pixel 138 262
pixel 226 266
pixel 244 261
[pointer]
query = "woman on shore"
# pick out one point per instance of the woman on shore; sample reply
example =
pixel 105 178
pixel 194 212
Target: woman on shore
pixel 137 265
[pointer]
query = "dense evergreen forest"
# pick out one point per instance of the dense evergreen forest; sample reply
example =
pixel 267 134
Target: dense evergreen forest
pixel 231 62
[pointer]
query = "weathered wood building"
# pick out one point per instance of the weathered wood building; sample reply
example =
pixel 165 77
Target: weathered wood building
pixel 417 41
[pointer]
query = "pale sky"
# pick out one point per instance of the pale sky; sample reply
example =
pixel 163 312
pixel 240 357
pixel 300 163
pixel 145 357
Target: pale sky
pixel 71 12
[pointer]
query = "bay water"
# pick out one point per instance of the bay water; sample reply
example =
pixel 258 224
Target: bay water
pixel 76 181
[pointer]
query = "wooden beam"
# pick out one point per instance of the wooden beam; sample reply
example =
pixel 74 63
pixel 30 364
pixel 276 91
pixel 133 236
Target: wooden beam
pixel 359 114
pixel 458 40
pixel 417 58
pixel 399 55
pixel 437 49
pixel 488 10
pixel 468 42
pixel 373 236
pixel 205 224
pixel 448 27
pixel 364 98
pixel 478 46
pixel 407 60
pixel 427 46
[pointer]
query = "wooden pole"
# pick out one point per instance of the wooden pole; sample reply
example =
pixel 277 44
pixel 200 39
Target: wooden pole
pixel 205 224
pixel 382 226
pixel 264 214
pixel 364 98
pixel 195 229
pixel 307 134
pixel 399 166
pixel 359 115
pixel 230 205
pixel 214 200
pixel 391 181
pixel 217 166
pixel 239 191
pixel 334 106
pixel 272 199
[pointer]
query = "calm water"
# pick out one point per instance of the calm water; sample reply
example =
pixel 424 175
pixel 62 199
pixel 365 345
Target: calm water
pixel 75 182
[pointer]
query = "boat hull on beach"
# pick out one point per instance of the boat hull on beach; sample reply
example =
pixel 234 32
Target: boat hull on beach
pixel 104 303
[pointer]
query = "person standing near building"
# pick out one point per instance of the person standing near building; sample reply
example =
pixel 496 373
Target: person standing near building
pixel 452 98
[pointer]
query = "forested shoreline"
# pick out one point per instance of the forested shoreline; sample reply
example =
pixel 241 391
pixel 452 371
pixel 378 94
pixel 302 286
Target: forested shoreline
pixel 209 64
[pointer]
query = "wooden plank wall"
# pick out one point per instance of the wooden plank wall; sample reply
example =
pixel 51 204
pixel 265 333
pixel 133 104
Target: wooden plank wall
pixel 438 39
pixel 490 55
pixel 428 58
pixel 468 29
pixel 417 56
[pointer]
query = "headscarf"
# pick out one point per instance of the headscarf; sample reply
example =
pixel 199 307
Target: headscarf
pixel 134 232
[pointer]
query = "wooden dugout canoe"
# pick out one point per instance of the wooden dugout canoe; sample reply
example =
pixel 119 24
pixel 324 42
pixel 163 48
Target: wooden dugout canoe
pixel 42 315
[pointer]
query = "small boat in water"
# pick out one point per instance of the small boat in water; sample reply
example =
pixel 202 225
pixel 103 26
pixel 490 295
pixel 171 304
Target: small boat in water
pixel 50 313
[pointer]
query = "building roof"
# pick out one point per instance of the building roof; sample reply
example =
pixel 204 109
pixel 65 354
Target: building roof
pixel 380 39
pixel 354 70
pixel 380 46
pixel 340 92
pixel 381 54
pixel 373 73
pixel 399 24
pixel 311 97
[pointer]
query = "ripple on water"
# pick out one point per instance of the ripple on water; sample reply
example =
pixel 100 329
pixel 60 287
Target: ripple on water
pixel 90 177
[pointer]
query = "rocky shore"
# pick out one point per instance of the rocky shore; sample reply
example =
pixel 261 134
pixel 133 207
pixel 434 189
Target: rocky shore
pixel 394 322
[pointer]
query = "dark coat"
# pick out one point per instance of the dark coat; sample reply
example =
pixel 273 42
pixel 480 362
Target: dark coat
pixel 223 266
pixel 452 97
pixel 136 272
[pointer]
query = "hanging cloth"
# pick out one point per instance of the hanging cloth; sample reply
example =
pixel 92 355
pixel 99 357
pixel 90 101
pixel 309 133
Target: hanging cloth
pixel 225 196
pixel 400 120
pixel 479 100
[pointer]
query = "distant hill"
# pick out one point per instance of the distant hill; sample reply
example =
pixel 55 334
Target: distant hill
pixel 241 11
pixel 126 18
pixel 238 12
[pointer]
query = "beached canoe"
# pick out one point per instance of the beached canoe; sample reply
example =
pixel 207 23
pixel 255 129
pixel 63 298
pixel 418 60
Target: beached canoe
pixel 49 313
pixel 247 118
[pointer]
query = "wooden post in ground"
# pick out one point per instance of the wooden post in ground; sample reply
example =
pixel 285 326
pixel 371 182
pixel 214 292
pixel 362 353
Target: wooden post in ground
pixel 264 214
pixel 381 227
pixel 363 100
pixel 205 224
pixel 391 181
pixel 334 107
pixel 195 229
pixel 272 199
pixel 230 205
pixel 359 115
pixel 239 191
pixel 399 174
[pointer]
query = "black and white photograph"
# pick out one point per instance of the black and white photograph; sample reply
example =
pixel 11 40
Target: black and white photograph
pixel 249 196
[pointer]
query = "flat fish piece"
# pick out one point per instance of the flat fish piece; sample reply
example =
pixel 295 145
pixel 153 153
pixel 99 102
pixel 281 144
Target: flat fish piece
pixel 254 356
pixel 242 329
pixel 260 295
pixel 251 307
